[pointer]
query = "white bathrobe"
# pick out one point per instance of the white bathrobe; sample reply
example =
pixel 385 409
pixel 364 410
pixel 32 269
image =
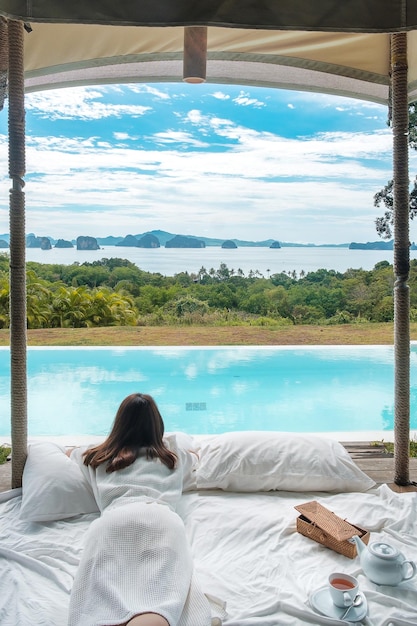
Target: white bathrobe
pixel 136 557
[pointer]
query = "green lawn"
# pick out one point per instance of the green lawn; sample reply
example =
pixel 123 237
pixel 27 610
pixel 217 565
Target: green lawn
pixel 344 334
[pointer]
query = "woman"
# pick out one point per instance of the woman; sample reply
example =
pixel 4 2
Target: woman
pixel 136 568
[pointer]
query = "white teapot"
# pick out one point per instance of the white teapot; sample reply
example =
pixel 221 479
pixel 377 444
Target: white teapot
pixel 383 563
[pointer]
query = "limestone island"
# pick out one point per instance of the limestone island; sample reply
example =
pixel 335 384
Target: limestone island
pixel 87 243
pixel 32 241
pixel 181 241
pixel 229 244
pixel 64 243
pixel 376 245
pixel 147 241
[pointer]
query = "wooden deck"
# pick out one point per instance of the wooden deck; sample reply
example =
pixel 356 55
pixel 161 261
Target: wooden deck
pixel 377 463
pixel 5 476
pixel 371 458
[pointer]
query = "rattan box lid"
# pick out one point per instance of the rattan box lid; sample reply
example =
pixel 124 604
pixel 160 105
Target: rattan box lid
pixel 333 525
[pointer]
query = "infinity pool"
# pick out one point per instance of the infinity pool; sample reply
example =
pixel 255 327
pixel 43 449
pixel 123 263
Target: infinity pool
pixel 76 391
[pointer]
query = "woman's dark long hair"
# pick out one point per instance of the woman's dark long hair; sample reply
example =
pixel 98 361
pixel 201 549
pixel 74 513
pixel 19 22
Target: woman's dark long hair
pixel 137 427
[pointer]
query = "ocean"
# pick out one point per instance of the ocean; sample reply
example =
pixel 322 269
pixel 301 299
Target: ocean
pixel 267 261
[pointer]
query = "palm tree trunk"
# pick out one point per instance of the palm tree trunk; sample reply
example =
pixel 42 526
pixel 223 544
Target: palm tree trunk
pixel 401 258
pixel 18 374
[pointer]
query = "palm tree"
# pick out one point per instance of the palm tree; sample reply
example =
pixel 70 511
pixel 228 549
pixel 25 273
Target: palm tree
pixel 110 308
pixel 69 307
pixel 38 296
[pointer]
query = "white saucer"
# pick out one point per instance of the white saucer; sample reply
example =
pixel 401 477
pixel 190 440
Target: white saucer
pixel 322 602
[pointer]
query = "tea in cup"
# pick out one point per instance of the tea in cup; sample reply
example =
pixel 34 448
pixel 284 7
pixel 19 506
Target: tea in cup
pixel 343 589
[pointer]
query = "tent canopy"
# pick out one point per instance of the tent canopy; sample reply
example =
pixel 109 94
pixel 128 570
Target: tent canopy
pixel 323 15
pixel 327 45
pixel 347 64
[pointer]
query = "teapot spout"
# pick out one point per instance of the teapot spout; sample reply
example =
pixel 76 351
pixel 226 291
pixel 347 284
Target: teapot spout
pixel 360 546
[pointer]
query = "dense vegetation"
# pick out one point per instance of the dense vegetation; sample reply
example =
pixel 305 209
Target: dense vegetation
pixel 115 292
pixel 385 197
pixel 4 453
pixel 389 447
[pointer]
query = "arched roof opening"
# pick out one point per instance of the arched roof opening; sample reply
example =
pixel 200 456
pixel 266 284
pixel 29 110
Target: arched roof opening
pixel 366 50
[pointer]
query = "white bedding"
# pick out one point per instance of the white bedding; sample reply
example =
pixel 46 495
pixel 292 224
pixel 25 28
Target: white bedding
pixel 246 551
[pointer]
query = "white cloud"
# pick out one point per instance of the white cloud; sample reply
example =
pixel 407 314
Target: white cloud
pixel 178 137
pixel 220 95
pixel 90 173
pixel 244 99
pixel 121 136
pixel 209 172
pixel 149 89
pixel 195 116
pixel 79 104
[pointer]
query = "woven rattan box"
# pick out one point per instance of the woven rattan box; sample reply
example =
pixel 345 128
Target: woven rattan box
pixel 325 527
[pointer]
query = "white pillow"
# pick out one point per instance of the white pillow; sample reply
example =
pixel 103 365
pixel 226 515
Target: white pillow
pixel 184 445
pixel 266 461
pixel 53 486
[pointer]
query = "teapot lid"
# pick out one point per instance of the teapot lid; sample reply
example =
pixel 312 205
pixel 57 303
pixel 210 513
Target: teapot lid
pixel 383 550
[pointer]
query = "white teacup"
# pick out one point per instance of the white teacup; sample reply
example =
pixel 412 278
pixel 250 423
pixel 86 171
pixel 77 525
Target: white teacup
pixel 343 589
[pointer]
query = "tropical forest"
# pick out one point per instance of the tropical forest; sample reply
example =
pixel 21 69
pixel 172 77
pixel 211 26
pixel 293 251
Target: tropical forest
pixel 115 292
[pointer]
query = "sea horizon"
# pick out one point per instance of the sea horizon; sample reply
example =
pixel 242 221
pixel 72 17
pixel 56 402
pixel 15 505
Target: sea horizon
pixel 261 260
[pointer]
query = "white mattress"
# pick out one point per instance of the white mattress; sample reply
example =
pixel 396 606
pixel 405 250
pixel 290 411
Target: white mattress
pixel 246 549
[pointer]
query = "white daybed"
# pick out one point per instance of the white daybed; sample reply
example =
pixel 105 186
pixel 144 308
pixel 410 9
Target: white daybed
pixel 241 522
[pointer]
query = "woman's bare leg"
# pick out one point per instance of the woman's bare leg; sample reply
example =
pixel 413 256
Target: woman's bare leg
pixel 148 619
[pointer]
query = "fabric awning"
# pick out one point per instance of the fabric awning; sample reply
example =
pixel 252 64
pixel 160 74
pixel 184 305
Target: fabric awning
pixel 324 15
pixel 327 45
pixel 349 64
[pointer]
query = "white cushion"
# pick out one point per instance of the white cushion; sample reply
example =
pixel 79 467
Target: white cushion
pixel 265 461
pixel 53 486
pixel 184 445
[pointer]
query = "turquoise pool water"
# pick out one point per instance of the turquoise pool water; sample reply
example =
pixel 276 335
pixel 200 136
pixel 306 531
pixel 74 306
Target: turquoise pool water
pixel 76 391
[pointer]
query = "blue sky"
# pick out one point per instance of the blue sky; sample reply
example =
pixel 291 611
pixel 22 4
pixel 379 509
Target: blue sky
pixel 209 160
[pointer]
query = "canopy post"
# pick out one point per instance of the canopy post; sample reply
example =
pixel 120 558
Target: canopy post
pixel 4 60
pixel 401 258
pixel 18 374
pixel 195 54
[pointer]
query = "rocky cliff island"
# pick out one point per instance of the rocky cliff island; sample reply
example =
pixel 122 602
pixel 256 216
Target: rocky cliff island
pixel 149 241
pixel 87 243
pixel 32 241
pixel 129 241
pixel 229 244
pixel 377 245
pixel 146 241
pixel 181 241
pixel 64 243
